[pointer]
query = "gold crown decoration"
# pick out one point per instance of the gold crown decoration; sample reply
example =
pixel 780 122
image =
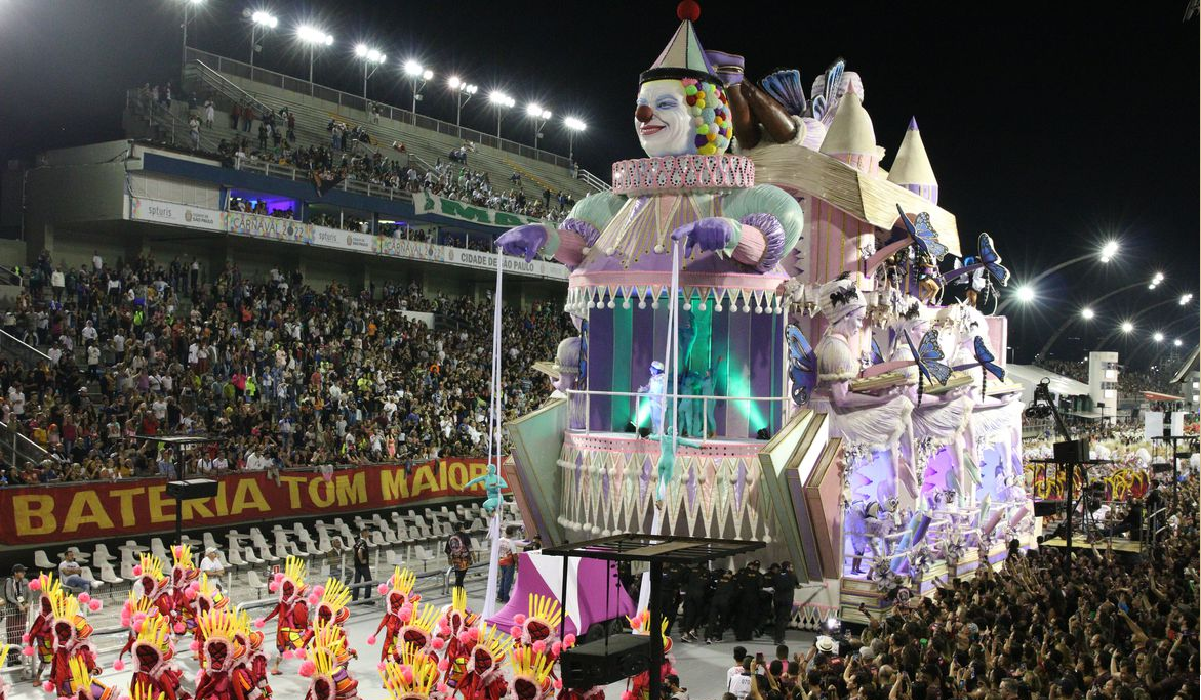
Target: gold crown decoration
pixel 295 570
pixel 182 554
pixel 155 631
pixel 218 623
pixel 530 663
pixel 336 595
pixel 81 675
pixel 403 581
pixel 546 609
pixel 494 642
pixel 145 691
pixel 152 566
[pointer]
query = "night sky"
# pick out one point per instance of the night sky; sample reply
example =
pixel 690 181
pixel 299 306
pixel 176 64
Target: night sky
pixel 1053 126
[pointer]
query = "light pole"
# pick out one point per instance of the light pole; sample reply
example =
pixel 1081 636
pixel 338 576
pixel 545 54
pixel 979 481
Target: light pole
pixel 314 37
pixel 461 87
pixel 372 59
pixel 187 5
pixel 573 126
pixel 417 73
pixel 1106 254
pixel 260 21
pixel 500 102
pixel 540 116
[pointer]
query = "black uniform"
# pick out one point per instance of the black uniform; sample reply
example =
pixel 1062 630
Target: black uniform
pixel 785 584
pixel 723 595
pixel 748 589
pixel 696 588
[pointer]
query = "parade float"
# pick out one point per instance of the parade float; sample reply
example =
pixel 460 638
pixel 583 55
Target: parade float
pixel 767 348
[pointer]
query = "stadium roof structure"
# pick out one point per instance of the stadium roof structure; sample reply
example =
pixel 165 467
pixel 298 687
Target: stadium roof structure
pixel 1058 384
pixel 655 548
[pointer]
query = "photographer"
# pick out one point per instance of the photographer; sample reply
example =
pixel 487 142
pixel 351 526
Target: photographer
pixel 16 605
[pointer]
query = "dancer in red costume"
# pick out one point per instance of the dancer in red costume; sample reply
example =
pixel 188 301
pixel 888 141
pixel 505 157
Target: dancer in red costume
pixel 83 686
pixel 221 676
pixel 206 598
pixel 330 601
pixel 640 684
pixel 457 631
pixel 71 643
pixel 39 640
pixel 398 596
pixel 183 589
pixel 485 676
pixel 414 677
pixel 531 675
pixel 153 670
pixel 327 665
pixel 291 612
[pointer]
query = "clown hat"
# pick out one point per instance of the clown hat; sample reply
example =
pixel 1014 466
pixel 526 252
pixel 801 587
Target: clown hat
pixel 683 57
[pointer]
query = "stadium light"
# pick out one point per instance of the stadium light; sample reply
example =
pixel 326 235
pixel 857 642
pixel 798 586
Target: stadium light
pixel 416 73
pixel 1109 250
pixel 1178 342
pixel 573 126
pixel 1185 299
pixel 1087 314
pixel 1156 280
pixel 540 116
pixel 260 21
pixel 1025 294
pixel 1158 337
pixel 461 87
pixel 500 102
pixel 372 60
pixel 1127 327
pixel 314 37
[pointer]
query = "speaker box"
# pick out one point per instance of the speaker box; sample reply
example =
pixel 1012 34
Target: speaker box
pixel 1044 508
pixel 190 489
pixel 1070 451
pixel 588 664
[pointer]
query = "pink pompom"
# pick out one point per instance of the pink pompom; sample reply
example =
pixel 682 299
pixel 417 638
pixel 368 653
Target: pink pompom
pixel 569 640
pixel 558 684
pixel 443 665
pixel 438 643
pixel 25 638
pixel 313 599
pixel 371 640
pixel 319 591
pixel 194 587
pixel 95 605
pixel 260 623
pixel 85 597
pixel 405 614
pixel 515 631
pixel 302 653
pixel 28 651
pixel 627 695
pixel 444 689
pixel 48 686
pixel 272 587
pixel 307 668
pixel 540 646
pixel 137 571
pixel 288 654
pixel 556 648
pixel 118 665
pixel 35 585
pixel 519 619
pixel 382 588
pixel 126 620
pixel 195 645
pixel 179 628
pixel 407 673
pixel 278 577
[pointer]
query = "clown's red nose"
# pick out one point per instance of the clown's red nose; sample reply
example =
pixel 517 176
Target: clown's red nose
pixel 644 113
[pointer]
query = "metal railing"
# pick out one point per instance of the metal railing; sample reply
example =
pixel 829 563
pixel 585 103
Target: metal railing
pixel 582 400
pixel 592 180
pixel 237 68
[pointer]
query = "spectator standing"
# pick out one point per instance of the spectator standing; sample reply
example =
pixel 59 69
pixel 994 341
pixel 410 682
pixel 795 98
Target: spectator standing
pixel 16 601
pixel 208 114
pixel 458 553
pixel 362 565
pixel 71 573
pixel 194 133
pixel 506 553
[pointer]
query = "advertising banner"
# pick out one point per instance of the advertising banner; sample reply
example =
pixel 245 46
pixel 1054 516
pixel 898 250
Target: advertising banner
pixel 343 240
pixel 433 204
pixel 175 214
pixel 270 227
pixel 131 507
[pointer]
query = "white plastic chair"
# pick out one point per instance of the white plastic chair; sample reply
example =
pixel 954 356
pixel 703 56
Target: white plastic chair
pixel 108 575
pixel 255 582
pixel 86 573
pixel 252 558
pixel 100 553
pixel 42 561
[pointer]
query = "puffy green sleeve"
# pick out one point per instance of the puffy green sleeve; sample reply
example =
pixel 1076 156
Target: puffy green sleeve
pixel 771 200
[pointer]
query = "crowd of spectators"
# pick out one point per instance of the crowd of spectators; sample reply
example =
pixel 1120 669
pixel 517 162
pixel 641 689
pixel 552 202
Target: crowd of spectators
pixel 1106 625
pixel 1130 381
pixel 286 375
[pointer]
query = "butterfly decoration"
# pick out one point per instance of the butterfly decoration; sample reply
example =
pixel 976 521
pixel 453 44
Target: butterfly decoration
pixel 802 366
pixel 785 86
pixel 583 359
pixel 928 356
pixel 823 105
pixel 842 297
pixel 991 260
pixel 924 235
pixel 985 359
pixel 877 355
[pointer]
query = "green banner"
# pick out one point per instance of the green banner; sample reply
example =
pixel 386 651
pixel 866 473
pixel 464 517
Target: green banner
pixel 432 204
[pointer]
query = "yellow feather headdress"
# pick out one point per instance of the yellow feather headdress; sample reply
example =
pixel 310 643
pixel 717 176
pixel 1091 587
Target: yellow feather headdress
pixel 219 623
pixel 295 571
pixel 4 649
pixel 328 635
pixel 145 691
pixel 545 609
pixel 63 605
pixel 336 595
pixel 182 554
pixel 156 632
pixel 152 566
pixel 425 619
pixel 81 675
pixel 402 581
pixel 49 585
pixel 416 675
pixel 496 643
pixel 532 664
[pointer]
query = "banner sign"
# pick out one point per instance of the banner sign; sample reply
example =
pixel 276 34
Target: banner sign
pixel 342 240
pixel 259 226
pixel 130 507
pixel 433 204
pixel 175 214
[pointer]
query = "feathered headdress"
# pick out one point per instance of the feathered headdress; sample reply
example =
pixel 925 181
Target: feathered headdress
pixel 545 615
pixel 46 585
pixel 183 570
pixel 150 575
pixel 419 629
pixel 145 691
pixel 290 582
pixel 329 636
pixel 413 679
pixel 63 605
pixel 208 597
pixel 84 686
pixel 531 673
pixel 399 590
pixel 458 617
pixel 220 628
pixel 154 635
pixel 490 650
pixel 640 624
pixel 332 605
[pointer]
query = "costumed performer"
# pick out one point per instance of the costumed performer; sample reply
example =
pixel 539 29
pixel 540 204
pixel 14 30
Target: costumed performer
pixel 71 642
pixel 39 640
pixel 221 677
pixel 153 651
pixel 399 600
pixel 485 676
pixel 291 611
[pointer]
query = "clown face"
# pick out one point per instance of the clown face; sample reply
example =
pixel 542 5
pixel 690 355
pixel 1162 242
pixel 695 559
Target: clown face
pixel 662 120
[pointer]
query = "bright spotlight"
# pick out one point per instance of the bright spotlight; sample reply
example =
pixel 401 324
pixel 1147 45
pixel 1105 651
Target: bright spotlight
pixel 501 99
pixel 413 68
pixel 535 110
pixel 264 19
pixel 472 89
pixel 427 75
pixel 574 124
pixel 1087 314
pixel 1158 337
pixel 360 50
pixel 1109 250
pixel 454 82
pixel 1186 299
pixel 1127 327
pixel 1025 294
pixel 312 35
pixel 1178 342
